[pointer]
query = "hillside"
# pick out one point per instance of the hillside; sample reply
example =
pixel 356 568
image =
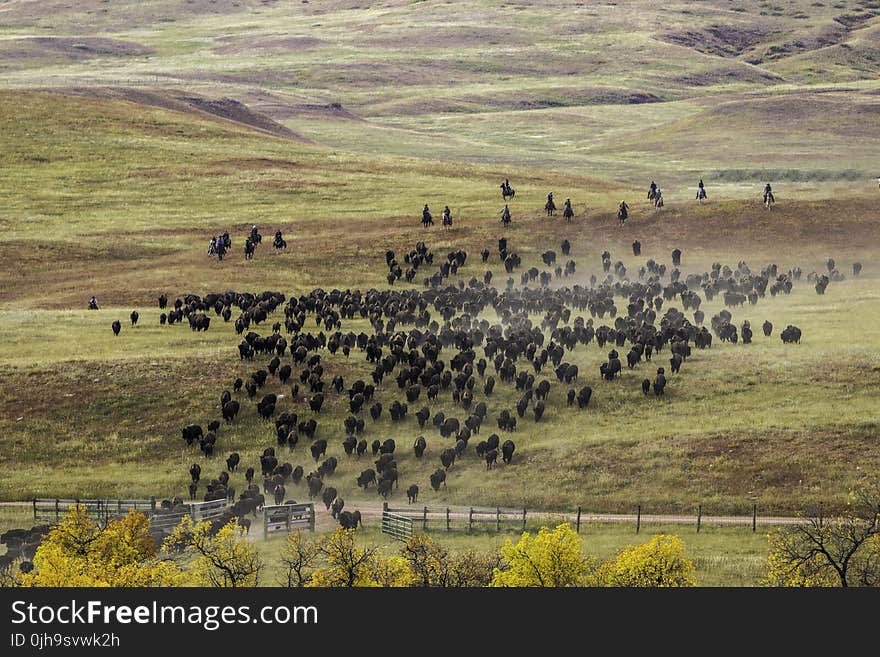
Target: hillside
pixel 124 212
pixel 564 85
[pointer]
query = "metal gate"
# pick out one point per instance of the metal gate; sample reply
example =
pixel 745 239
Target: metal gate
pixel 397 526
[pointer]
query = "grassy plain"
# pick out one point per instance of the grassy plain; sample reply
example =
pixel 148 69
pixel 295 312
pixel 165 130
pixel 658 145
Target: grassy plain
pixel 114 179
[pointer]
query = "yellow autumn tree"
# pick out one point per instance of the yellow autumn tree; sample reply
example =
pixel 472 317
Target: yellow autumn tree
pixel 80 552
pixel 551 558
pixel 348 564
pixel 658 563
pixel 840 551
pixel 298 557
pixel 222 559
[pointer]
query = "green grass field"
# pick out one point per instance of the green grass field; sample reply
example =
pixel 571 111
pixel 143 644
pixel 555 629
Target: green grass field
pixel 116 173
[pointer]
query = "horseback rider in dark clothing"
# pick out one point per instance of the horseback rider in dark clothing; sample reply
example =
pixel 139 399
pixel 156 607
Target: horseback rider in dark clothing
pixel 427 219
pixel 505 215
pixel 567 212
pixel 701 191
pixel 768 194
pixel 652 191
pixel 93 303
pixel 623 211
pixel 447 216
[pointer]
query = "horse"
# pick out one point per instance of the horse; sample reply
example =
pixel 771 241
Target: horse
pixel 658 201
pixel 701 195
pixel 427 220
pixel 652 194
pixel 550 207
pixel 220 249
pixel 769 200
pixel 447 221
pixel 505 220
pixel 248 249
pixel 279 242
pixel 568 213
pixel 507 192
pixel 622 215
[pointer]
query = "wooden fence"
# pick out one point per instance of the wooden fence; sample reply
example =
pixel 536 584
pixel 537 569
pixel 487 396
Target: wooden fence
pixel 469 519
pixel 444 518
pixel 287 517
pixel 52 510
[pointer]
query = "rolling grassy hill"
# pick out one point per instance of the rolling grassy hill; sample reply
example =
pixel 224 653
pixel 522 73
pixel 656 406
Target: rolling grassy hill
pixel 132 132
pixel 588 87
pixel 123 212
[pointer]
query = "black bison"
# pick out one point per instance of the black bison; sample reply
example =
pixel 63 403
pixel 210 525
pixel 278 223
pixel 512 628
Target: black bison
pixel 412 494
pixel 328 496
pixel 350 519
pixel 319 449
pixel 791 334
pixel 366 478
pixel 438 477
pixel 116 326
pixel 659 382
pixel 507 449
pixel 419 446
pixel 447 457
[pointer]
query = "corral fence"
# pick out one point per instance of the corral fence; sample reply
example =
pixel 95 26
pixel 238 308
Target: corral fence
pixel 287 517
pixel 448 519
pixel 52 510
pixel 470 519
pixel 396 525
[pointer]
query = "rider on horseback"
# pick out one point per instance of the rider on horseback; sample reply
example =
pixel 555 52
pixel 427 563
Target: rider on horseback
pixel 658 198
pixel 505 215
pixel 550 206
pixel 701 190
pixel 652 191
pixel 623 211
pixel 768 194
pixel 212 246
pixel 93 303
pixel 447 216
pixel 427 219
pixel 567 212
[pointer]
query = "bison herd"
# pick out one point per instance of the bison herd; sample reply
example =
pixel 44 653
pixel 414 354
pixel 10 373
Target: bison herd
pixel 437 346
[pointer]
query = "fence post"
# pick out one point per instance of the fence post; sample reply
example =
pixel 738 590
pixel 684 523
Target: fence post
pixel 35 508
pixel 470 519
pixel 385 506
pixel 265 525
pixel 312 517
pixel 578 525
pixel 524 519
pixel 638 518
pixel 754 517
pixel 699 516
pixel 57 509
pixel 820 514
pixel 447 518
pixel 497 519
pixel 152 504
pixel 425 520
